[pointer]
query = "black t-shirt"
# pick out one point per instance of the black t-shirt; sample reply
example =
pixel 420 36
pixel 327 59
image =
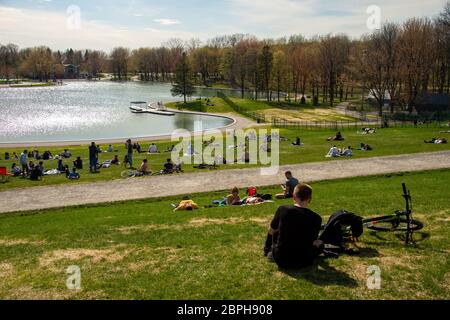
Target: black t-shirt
pixel 297 229
pixel 168 166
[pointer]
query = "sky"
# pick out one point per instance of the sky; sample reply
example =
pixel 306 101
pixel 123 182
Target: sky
pixel 105 24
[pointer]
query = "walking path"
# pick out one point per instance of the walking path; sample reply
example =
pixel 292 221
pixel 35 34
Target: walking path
pixel 158 186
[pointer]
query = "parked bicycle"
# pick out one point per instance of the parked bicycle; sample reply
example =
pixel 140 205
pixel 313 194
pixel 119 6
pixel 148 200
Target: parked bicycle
pixel 398 221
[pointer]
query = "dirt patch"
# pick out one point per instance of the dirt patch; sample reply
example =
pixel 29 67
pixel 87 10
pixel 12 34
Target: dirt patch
pixel 316 114
pixel 18 242
pixel 111 255
pixel 206 221
pixel 30 293
pixel 193 223
pixel 6 269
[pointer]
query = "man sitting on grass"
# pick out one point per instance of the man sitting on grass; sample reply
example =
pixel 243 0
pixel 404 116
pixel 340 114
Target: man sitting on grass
pixel 153 148
pixel 168 167
pixel 292 238
pixel 288 188
pixel 144 169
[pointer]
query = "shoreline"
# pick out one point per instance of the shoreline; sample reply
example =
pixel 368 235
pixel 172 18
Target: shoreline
pixel 238 123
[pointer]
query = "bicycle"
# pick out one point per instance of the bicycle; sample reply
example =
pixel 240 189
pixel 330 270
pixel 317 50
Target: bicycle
pixel 398 221
pixel 130 173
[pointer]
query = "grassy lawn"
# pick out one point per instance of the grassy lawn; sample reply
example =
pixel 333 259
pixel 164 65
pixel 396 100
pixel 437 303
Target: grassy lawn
pixel 141 250
pixel 384 142
pixel 216 105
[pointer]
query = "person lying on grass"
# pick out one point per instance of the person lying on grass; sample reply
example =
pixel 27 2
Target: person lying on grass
pixel 337 137
pixel 288 187
pixel 292 238
pixel 74 175
pixel 436 140
pixel 185 204
pixel 365 147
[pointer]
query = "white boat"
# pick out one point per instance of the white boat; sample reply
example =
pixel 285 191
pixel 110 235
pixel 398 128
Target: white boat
pixel 154 108
pixel 137 105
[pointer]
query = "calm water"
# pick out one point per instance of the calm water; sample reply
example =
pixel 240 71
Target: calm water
pixel 90 110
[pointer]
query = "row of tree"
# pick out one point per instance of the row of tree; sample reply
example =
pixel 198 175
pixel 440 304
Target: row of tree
pixel 400 62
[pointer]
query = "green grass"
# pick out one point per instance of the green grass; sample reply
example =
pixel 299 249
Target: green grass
pixel 384 142
pixel 215 106
pixel 141 250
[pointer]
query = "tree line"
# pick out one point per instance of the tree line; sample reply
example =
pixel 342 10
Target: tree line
pixel 399 61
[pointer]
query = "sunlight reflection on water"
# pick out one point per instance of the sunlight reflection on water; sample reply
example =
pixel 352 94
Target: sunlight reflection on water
pixel 88 110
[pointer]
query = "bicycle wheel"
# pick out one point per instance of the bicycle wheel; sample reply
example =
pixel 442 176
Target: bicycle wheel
pixel 389 223
pixel 127 173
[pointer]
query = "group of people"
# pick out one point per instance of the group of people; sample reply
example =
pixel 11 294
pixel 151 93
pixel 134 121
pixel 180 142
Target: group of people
pixel 293 236
pixel 339 152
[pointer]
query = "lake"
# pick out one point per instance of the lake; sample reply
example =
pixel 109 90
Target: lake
pixel 92 111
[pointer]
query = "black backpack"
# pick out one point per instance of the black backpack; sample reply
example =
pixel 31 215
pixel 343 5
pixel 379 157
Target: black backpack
pixel 341 225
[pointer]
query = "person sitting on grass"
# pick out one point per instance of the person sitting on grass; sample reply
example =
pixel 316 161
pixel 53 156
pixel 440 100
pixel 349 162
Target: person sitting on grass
pixel 15 170
pixel 115 160
pixel 288 188
pixel 337 137
pixel 7 156
pixel 152 148
pixel 41 167
pixel 144 169
pixel 168 167
pixel 185 204
pixel 233 199
pixel 78 163
pixel 35 173
pixel 171 148
pixel 110 148
pixel 333 152
pixel 66 154
pixel 74 175
pixel 292 238
pixel 138 147
pixel 347 152
pixel 297 142
pixel 60 166
pixel 66 171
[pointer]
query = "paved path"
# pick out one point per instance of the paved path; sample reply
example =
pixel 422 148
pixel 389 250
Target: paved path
pixel 158 186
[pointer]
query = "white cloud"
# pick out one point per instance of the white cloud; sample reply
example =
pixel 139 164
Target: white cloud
pixel 166 22
pixel 272 18
pixel 33 27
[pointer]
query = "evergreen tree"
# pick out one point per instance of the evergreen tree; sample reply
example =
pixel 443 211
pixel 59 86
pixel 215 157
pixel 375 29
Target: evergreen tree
pixel 183 84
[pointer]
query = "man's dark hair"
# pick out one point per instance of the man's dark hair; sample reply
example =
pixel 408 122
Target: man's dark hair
pixel 289 173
